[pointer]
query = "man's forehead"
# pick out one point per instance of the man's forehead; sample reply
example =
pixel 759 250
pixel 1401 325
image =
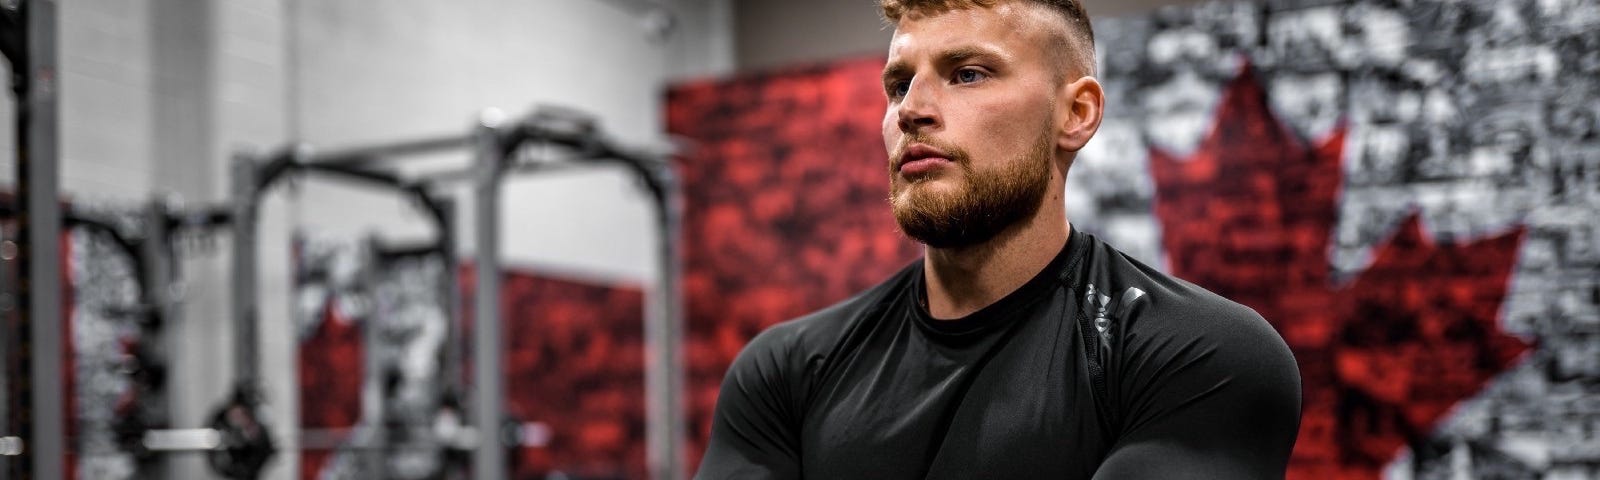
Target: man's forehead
pixel 1020 23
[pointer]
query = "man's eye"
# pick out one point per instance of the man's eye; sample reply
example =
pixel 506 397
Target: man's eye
pixel 969 75
pixel 899 88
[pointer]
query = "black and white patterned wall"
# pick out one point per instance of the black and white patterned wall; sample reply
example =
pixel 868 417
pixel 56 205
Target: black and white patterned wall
pixel 372 330
pixel 1479 117
pixel 106 332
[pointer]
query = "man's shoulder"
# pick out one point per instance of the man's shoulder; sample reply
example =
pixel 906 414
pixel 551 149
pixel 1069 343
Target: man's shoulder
pixel 1151 320
pixel 1118 287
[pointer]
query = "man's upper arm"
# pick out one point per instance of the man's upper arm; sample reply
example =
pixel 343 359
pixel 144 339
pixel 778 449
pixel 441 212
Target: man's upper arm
pixel 1213 397
pixel 755 428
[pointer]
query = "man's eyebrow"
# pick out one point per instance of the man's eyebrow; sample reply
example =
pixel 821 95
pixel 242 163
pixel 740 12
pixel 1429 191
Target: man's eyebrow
pixel 900 68
pixel 897 69
pixel 967 52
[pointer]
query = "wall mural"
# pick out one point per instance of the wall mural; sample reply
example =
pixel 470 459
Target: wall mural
pixel 104 335
pixel 103 330
pixel 372 332
pixel 1416 182
pixel 574 371
pixel 1407 190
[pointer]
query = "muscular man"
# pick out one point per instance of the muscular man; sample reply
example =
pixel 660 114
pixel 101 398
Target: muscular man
pixel 1018 347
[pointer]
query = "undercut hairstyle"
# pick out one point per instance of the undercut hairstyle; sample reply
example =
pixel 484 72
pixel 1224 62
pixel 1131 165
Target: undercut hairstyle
pixel 1080 35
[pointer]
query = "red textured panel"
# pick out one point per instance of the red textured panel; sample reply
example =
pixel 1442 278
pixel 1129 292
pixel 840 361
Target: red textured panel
pixel 1384 357
pixel 786 212
pixel 574 362
pixel 331 372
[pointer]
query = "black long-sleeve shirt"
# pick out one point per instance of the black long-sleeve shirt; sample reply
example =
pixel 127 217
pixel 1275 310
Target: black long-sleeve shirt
pixel 1099 367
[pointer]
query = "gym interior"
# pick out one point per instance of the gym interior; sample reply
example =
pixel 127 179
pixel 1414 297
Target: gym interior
pixel 498 239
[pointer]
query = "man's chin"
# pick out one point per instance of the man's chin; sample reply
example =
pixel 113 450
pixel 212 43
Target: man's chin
pixel 920 198
pixel 928 185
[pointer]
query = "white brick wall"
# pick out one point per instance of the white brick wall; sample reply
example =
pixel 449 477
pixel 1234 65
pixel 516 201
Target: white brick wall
pixel 424 68
pixel 105 100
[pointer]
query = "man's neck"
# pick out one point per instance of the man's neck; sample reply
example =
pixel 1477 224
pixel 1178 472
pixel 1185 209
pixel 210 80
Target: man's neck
pixel 961 281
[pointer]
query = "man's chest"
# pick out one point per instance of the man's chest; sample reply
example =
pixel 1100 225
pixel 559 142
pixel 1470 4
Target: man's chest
pixel 903 408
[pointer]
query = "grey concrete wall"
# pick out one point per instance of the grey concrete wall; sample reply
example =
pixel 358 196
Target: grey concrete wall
pixel 703 45
pixel 777 33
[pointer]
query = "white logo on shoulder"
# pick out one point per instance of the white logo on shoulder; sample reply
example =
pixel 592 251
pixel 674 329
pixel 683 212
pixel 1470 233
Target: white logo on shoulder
pixel 1108 309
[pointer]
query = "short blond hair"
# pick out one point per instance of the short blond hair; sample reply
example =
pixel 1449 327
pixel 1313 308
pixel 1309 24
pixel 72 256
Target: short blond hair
pixel 1080 34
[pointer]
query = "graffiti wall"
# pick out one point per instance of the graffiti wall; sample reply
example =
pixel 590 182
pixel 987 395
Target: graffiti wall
pixel 574 367
pixel 1409 191
pixel 372 330
pixel 111 373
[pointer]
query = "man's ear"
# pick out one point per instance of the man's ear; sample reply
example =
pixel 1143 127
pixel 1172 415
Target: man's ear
pixel 1080 112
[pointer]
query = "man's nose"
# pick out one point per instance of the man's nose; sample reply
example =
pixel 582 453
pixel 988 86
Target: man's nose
pixel 919 109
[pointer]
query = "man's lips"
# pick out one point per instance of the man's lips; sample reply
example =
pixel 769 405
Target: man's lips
pixel 922 165
pixel 920 158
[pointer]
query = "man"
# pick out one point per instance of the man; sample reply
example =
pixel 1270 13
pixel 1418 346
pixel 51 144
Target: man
pixel 1018 347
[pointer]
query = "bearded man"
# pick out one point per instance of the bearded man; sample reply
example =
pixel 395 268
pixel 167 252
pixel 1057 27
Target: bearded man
pixel 1018 347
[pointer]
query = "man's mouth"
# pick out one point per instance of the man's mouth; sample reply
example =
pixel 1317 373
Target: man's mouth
pixel 922 166
pixel 920 159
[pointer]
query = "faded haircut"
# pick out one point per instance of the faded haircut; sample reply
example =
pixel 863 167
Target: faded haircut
pixel 1080 35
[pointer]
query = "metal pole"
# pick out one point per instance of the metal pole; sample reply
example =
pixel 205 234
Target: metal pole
pixel 450 295
pixel 245 198
pixel 488 459
pixel 356 156
pixel 664 334
pixel 39 248
pixel 370 427
pixel 158 297
pixel 6 338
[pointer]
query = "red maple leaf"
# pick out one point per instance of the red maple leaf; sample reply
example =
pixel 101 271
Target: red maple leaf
pixel 1382 357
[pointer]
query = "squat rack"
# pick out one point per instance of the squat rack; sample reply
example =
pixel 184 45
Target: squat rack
pixel 500 148
pixel 242 444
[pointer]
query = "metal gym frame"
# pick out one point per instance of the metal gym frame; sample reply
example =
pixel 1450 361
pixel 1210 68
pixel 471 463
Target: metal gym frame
pixel 500 148
pixel 153 261
pixel 34 430
pixel 239 444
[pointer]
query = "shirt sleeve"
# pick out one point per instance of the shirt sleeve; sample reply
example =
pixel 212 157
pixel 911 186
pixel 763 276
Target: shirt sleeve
pixel 755 427
pixel 1211 393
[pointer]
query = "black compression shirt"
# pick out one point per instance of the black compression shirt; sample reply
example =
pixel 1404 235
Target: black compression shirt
pixel 1098 368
